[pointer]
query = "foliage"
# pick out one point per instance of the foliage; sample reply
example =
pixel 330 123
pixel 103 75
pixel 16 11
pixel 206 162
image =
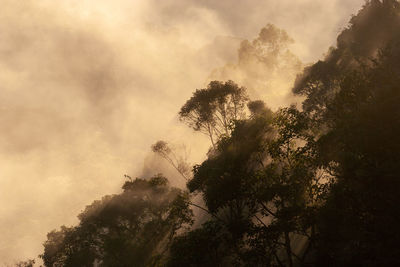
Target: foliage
pixel 262 185
pixel 270 49
pixel 205 246
pixel 179 162
pixel 265 65
pixel 362 145
pixel 214 109
pixel 130 229
pixel 325 177
pixel 352 96
pixel 311 187
pixel 258 108
pixel 374 27
pixel 27 263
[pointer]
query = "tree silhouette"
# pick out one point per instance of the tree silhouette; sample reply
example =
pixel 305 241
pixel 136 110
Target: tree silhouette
pixel 214 109
pixel 311 187
pixel 130 229
pixel 262 186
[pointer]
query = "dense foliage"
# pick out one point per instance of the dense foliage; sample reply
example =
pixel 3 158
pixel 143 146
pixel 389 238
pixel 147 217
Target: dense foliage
pixel 133 228
pixel 316 186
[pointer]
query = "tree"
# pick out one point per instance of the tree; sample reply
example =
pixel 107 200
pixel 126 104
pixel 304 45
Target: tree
pixel 317 187
pixel 361 149
pixel 262 186
pixel 214 109
pixel 265 66
pixel 134 228
pixel 27 263
pixel 179 162
pixel 288 192
pixel 206 246
pixel 352 97
pixel 374 27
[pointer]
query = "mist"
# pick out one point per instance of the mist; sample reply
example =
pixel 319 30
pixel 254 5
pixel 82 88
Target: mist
pixel 87 86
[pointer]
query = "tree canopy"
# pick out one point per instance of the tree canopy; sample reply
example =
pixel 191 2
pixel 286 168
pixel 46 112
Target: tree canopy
pixel 133 228
pixel 316 186
pixel 214 109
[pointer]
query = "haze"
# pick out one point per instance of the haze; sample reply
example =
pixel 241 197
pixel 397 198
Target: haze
pixel 87 86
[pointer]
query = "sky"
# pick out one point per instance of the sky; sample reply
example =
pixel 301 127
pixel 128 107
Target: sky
pixel 86 86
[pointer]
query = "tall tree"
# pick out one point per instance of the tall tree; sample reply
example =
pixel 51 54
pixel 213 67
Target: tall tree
pixel 262 187
pixel 361 149
pixel 375 26
pixel 214 109
pixel 265 66
pixel 352 96
pixel 177 161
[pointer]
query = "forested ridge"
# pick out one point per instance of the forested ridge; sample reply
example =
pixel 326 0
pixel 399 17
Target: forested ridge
pixel 315 184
